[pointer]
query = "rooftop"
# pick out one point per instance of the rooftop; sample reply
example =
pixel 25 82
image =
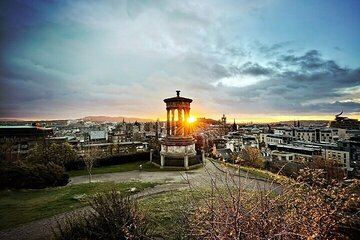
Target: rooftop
pixel 178 98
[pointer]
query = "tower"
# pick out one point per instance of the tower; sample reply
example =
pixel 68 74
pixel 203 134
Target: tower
pixel 178 148
pixel 234 126
pixel 224 126
pixel 157 130
pixel 223 119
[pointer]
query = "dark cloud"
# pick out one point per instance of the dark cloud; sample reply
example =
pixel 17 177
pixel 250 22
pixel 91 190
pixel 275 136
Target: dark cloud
pixel 248 68
pixel 310 61
pixel 236 51
pixel 309 84
pixel 349 107
pixel 72 58
pixel 219 71
pixel 254 69
pixel 273 48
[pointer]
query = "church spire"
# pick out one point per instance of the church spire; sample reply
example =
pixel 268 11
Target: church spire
pixel 234 126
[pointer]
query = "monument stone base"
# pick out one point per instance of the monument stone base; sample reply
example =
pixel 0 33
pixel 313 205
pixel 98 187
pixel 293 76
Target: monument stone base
pixel 178 152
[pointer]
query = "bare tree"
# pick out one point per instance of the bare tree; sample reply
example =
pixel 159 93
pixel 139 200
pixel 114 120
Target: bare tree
pixel 90 156
pixel 332 168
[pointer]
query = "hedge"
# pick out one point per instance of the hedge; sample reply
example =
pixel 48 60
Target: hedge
pixel 109 160
pixel 29 175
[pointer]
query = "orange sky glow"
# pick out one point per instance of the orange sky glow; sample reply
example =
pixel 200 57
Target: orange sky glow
pixel 255 118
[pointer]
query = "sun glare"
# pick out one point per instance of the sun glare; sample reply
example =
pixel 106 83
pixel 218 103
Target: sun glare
pixel 191 119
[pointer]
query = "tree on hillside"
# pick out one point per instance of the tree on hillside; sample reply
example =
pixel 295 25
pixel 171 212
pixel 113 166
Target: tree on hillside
pixel 90 155
pixel 235 158
pixel 132 148
pixel 6 152
pixel 154 144
pixel 60 154
pixel 331 167
pixel 214 153
pixel 251 157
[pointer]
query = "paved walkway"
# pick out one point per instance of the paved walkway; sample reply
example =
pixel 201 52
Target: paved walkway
pixel 170 181
pixel 200 176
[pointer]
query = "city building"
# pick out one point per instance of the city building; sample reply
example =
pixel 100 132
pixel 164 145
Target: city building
pixel 19 140
pixel 98 136
pixel 312 134
pixel 276 139
pixel 344 122
pixel 298 153
pixel 352 146
pixel 334 151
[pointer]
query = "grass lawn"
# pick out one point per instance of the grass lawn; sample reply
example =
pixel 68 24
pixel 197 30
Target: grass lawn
pixel 22 206
pixel 149 167
pixel 165 212
pixel 262 173
pixel 125 167
pixel 256 172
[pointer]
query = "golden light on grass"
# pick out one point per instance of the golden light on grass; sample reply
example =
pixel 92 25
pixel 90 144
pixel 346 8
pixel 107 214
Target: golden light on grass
pixel 191 119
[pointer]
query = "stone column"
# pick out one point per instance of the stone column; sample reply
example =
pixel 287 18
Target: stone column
pixel 180 122
pixel 172 121
pixel 186 128
pixel 168 122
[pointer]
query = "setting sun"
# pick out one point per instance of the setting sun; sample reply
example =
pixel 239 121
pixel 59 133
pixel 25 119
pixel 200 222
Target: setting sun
pixel 191 119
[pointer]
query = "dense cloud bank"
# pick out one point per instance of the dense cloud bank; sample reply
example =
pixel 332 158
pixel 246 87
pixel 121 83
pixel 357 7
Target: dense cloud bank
pixel 77 58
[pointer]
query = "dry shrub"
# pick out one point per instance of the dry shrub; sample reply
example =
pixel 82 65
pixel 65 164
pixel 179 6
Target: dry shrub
pixel 110 216
pixel 332 168
pixel 251 157
pixel 300 211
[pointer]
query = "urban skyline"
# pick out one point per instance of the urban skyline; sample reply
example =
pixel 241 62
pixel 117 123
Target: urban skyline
pixel 259 61
pixel 179 119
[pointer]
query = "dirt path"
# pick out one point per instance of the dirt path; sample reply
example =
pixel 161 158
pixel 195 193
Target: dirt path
pixel 170 181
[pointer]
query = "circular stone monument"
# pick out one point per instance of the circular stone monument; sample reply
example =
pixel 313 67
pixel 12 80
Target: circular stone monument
pixel 178 148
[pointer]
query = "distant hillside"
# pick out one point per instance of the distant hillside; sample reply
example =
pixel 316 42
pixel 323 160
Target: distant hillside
pixel 100 119
pixel 29 122
pixel 11 120
pixel 207 120
pixel 306 123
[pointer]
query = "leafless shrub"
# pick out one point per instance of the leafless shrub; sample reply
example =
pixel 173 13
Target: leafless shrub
pixel 332 168
pixel 110 216
pixel 300 211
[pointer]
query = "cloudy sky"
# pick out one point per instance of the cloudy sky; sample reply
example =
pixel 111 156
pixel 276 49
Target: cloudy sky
pixel 252 59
